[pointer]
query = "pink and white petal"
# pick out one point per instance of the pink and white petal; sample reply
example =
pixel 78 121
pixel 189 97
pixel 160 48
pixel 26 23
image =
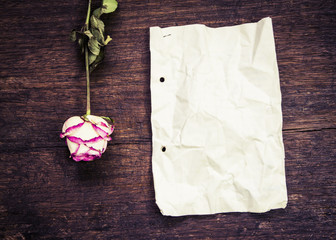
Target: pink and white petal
pixel 95 152
pixel 104 146
pixel 71 130
pixel 86 154
pixel 76 157
pixel 100 131
pixel 104 126
pixel 94 119
pixel 101 123
pixel 73 121
pixel 83 149
pixel 73 146
pixel 86 132
pixel 96 143
pixel 108 127
pixel 84 157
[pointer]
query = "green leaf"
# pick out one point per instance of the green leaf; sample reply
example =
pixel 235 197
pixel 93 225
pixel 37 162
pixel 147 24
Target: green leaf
pixel 81 44
pixel 94 38
pixel 97 23
pixel 98 60
pixel 109 6
pixel 94 46
pixel 98 35
pixel 73 36
pixel 108 39
pixel 97 13
pixel 88 33
pixel 92 58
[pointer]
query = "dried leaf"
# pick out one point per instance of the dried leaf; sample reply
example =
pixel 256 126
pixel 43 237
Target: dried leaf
pixel 97 23
pixel 88 33
pixel 109 6
pixel 73 36
pixel 92 58
pixel 108 39
pixel 81 44
pixel 97 13
pixel 98 35
pixel 97 61
pixel 94 38
pixel 94 46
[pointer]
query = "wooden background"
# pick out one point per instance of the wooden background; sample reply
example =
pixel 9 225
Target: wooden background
pixel 46 195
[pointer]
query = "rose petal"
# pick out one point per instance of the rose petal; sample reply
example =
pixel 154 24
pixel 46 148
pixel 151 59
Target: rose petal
pixel 104 147
pixel 101 122
pixel 101 132
pixel 73 147
pixel 72 121
pixel 86 139
pixel 106 127
pixel 86 153
pixel 95 146
pixel 71 130
pixel 81 141
pixel 84 157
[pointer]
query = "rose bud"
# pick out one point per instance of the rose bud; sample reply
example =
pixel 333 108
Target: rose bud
pixel 86 136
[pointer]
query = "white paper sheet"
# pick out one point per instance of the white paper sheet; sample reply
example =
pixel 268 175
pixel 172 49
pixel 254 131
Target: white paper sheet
pixel 216 119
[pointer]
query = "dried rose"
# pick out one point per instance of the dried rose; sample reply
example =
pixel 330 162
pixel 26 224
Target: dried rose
pixel 86 136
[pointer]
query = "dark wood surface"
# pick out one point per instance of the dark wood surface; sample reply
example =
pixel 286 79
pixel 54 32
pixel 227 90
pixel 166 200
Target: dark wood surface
pixel 46 195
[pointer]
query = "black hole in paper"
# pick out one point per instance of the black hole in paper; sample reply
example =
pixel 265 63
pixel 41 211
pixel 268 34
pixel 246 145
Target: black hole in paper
pixel 163 149
pixel 162 79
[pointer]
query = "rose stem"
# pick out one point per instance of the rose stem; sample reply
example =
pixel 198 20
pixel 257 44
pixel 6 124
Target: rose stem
pixel 88 109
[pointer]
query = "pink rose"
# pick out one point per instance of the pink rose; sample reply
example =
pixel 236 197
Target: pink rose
pixel 86 137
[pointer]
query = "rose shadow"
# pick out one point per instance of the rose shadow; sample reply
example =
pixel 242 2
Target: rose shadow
pixel 92 172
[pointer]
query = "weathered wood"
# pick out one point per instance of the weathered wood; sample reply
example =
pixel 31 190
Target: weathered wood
pixel 45 195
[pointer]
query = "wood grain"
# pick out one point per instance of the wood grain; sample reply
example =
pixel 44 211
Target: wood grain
pixel 45 195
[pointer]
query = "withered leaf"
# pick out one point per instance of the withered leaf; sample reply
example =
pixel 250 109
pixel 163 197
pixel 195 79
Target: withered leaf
pixel 97 23
pixel 109 6
pixel 81 44
pixel 73 35
pixel 98 60
pixel 88 33
pixel 108 39
pixel 97 13
pixel 98 35
pixel 92 58
pixel 91 35
pixel 94 46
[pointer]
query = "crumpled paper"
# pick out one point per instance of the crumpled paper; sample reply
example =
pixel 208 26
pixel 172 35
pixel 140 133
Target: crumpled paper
pixel 216 119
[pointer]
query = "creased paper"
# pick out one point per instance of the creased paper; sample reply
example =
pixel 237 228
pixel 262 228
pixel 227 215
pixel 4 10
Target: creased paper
pixel 216 119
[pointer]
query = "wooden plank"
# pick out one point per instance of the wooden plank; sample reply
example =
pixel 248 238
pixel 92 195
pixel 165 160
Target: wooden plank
pixel 51 195
pixel 45 195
